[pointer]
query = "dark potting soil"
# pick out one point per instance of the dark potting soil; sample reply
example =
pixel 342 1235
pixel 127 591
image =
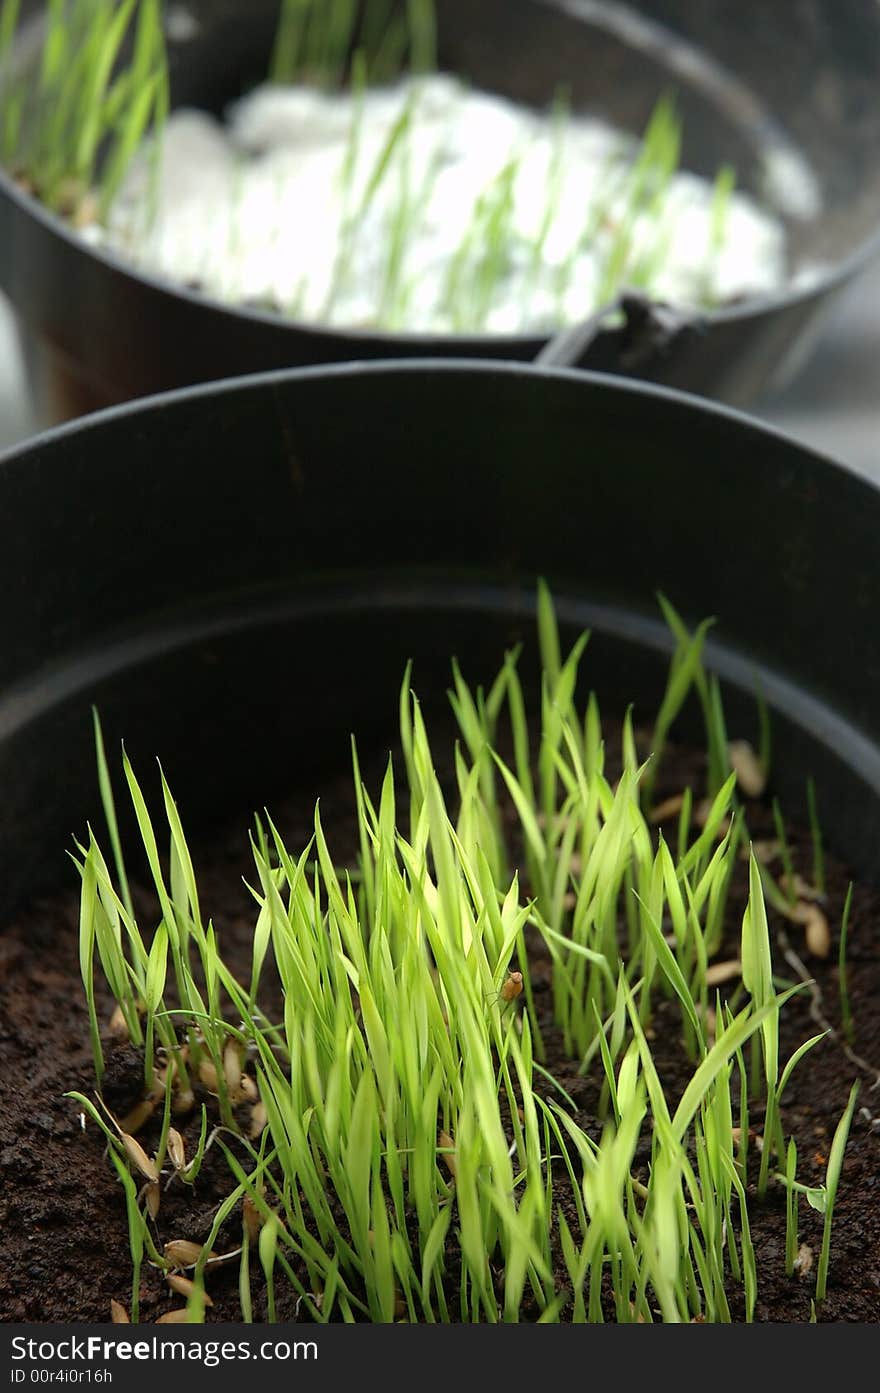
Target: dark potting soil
pixel 63 1232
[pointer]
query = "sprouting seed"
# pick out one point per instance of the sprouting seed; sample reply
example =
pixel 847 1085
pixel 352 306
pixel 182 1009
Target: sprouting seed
pixel 797 886
pixel 232 1069
pixel 258 1120
pixel 701 817
pixel 176 1149
pixel 208 1075
pixel 447 1145
pixel 512 988
pixel 184 1101
pixel 249 1088
pixel 803 1263
pixel 141 1113
pixel 118 1314
pixel 252 1219
pixel 179 1317
pixel 747 767
pixel 670 807
pixel 817 934
pixel 139 1157
pixel 727 971
pixel 181 1253
pixel 185 1287
pixel 153 1196
pixel 117 1027
pixel 711 1020
pixel 765 850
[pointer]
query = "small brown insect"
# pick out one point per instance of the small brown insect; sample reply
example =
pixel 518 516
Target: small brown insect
pixel 512 988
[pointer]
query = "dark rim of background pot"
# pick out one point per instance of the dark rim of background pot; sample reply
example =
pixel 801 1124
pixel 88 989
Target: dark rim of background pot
pixel 237 574
pixel 110 332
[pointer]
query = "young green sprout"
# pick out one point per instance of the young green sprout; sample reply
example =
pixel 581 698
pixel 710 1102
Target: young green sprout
pixel 405 1154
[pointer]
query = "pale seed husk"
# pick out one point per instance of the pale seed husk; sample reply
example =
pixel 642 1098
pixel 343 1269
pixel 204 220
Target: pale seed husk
pixel 208 1075
pixel 118 1314
pixel 154 1198
pixel 86 211
pixel 764 851
pixel 232 1069
pixel 670 807
pixel 258 1121
pixel 249 1088
pixel 181 1253
pixel 449 1159
pixel 803 1263
pixel 176 1149
pixel 817 934
pixel 796 885
pixel 184 1101
pixel 117 1027
pixel 728 971
pixel 749 771
pixel 141 1113
pixel 180 1317
pixel 139 1157
pixel 185 1287
pixel 711 1021
pixel 701 817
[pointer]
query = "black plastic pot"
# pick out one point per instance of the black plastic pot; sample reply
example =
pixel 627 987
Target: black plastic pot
pixel 753 80
pixel 236 576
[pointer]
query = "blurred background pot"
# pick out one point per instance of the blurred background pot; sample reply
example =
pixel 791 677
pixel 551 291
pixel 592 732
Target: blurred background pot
pixel 237 574
pixel 757 86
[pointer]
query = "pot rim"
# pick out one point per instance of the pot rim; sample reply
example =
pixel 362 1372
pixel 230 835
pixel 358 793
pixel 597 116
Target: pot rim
pixel 694 404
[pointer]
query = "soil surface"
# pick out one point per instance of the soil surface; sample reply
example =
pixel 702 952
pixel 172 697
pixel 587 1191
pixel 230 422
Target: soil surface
pixel 63 1232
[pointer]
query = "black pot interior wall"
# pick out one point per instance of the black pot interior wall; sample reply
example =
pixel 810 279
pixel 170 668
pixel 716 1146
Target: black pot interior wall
pixel 248 705
pixel 237 576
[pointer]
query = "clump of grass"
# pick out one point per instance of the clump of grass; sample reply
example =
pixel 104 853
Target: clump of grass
pixel 69 129
pixel 316 39
pixel 71 124
pixel 398 1106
